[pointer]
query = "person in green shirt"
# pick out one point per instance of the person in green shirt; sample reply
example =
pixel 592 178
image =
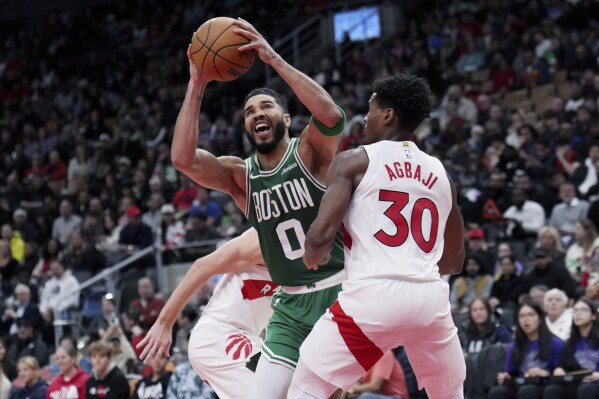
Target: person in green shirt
pixel 280 189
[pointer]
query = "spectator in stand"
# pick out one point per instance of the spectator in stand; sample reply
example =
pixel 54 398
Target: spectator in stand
pixel 72 379
pixel 153 217
pixel 172 231
pixel 83 362
pixel 58 295
pixel 32 257
pixel 123 178
pixel 83 260
pixel 546 271
pixel 27 343
pixel 549 239
pixel 15 241
pixel 22 309
pixel 108 241
pixel 581 352
pixel 385 380
pixel 481 330
pixel 565 214
pixel 505 249
pixel 541 163
pixel 185 383
pixel 537 294
pixel 51 252
pixel 107 380
pixel 581 250
pixel 8 268
pixel 198 229
pixel 22 226
pixel 477 246
pixel 508 285
pixel 154 386
pixel 56 170
pixel 585 174
pixel 99 325
pixel 590 277
pixel 474 282
pixel 355 138
pixel 534 353
pixel 504 76
pixel 66 223
pixel 525 217
pixel 185 323
pixel 185 195
pixel 33 386
pixel 4 380
pixel 91 229
pixel 208 207
pixel 464 107
pixel 558 315
pixel 80 170
pixel 122 352
pixel 135 235
pixel 148 304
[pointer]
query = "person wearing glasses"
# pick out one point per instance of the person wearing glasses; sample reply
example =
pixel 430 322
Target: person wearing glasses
pixel 580 353
pixel 533 355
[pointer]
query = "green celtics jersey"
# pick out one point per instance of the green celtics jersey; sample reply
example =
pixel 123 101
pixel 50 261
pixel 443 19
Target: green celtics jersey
pixel 282 204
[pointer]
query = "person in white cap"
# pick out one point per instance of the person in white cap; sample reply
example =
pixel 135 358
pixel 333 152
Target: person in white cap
pixel 171 231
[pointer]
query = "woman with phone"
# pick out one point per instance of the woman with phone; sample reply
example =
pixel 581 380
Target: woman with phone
pixel 580 354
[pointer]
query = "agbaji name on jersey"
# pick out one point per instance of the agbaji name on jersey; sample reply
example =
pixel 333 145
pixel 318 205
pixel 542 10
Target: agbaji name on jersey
pixel 406 170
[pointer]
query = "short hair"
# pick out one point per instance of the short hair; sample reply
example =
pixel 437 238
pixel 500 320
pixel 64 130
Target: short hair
pixel 99 348
pixel 269 92
pixel 558 292
pixel 539 287
pixel 23 287
pixel 408 95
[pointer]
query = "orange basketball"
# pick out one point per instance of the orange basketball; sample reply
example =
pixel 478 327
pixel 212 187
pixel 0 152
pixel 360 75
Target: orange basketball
pixel 214 50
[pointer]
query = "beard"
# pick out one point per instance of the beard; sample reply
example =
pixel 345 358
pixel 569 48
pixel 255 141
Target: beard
pixel 268 147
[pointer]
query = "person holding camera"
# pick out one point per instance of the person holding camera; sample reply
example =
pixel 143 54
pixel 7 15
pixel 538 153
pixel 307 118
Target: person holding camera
pixel 99 324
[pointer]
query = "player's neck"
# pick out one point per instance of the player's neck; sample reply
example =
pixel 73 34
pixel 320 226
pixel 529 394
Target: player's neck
pixel 395 136
pixel 272 159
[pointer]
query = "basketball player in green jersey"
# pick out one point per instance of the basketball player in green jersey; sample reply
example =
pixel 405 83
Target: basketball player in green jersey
pixel 280 189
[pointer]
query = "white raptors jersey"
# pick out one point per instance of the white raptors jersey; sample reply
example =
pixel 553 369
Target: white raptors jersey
pixel 396 217
pixel 243 300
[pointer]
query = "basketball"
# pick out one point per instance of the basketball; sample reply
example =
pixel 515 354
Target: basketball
pixel 214 50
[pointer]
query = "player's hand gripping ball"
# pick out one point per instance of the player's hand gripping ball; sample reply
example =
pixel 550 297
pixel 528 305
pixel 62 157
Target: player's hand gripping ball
pixel 214 50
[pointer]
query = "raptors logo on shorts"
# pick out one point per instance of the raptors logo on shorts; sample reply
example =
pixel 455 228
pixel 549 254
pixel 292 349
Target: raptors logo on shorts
pixel 238 347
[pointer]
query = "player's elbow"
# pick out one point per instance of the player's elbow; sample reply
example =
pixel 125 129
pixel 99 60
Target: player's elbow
pixel 330 116
pixel 182 164
pixel 452 263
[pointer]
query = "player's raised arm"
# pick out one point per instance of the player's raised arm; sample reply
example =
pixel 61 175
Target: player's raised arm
pixel 345 173
pixel 234 256
pixel 452 260
pixel 322 135
pixel 226 174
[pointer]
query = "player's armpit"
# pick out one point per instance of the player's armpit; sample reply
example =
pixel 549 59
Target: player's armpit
pixel 225 174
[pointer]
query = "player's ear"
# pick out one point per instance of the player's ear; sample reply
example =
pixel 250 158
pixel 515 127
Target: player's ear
pixel 389 114
pixel 287 120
